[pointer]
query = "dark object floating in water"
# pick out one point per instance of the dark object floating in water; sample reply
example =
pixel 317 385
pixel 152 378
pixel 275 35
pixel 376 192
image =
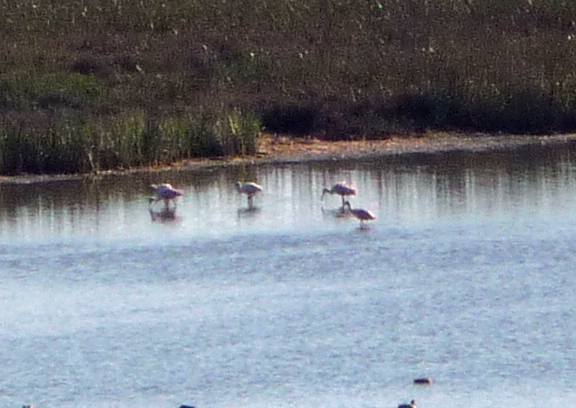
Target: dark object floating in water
pixel 411 405
pixel 424 381
pixel 186 406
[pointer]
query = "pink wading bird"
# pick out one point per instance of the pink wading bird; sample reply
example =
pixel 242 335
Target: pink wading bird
pixel 165 192
pixel 362 215
pixel 342 190
pixel 250 189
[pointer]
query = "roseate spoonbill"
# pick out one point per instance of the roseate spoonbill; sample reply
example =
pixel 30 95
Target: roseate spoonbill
pixel 362 215
pixel 411 405
pixel 165 192
pixel 342 190
pixel 250 189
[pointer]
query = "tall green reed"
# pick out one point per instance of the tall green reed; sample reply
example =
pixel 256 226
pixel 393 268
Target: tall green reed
pixel 135 140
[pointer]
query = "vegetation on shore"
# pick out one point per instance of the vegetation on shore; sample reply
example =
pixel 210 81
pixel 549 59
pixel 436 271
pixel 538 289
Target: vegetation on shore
pixel 102 84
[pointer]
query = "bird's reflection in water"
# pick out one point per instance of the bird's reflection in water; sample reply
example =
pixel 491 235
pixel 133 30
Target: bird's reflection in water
pixel 340 212
pixel 248 212
pixel 163 215
pixel 363 228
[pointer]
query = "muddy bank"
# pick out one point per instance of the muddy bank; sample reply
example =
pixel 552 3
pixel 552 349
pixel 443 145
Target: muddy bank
pixel 282 149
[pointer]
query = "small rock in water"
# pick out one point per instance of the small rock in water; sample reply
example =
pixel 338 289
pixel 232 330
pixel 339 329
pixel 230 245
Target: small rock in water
pixel 424 381
pixel 186 406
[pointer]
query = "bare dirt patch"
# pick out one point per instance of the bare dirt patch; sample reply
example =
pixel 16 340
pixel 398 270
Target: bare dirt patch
pixel 283 149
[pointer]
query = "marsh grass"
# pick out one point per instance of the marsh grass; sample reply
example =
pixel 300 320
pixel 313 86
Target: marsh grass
pixel 87 86
pixel 122 143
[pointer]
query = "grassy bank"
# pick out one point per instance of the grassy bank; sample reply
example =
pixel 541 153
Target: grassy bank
pixel 93 85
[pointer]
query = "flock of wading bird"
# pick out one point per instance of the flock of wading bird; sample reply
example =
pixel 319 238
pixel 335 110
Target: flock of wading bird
pixel 168 195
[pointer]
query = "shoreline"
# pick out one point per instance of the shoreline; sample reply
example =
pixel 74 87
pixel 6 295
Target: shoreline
pixel 288 150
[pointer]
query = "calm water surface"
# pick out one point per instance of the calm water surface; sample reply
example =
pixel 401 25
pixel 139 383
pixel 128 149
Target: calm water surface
pixel 467 276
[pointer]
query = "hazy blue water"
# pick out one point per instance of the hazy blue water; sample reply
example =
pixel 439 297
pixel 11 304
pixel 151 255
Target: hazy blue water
pixel 467 277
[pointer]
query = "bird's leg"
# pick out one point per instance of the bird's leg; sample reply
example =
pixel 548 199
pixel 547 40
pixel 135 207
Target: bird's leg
pixel 343 209
pixel 250 201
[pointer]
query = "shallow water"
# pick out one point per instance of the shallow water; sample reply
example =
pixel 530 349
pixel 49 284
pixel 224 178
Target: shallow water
pixel 466 277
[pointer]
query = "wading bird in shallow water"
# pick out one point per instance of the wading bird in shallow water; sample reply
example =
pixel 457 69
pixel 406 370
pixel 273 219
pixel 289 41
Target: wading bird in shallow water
pixel 165 192
pixel 250 189
pixel 342 190
pixel 362 215
pixel 411 405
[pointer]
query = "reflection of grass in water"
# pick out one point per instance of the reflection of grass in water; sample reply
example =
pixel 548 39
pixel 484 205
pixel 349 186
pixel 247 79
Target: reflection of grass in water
pixel 132 82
